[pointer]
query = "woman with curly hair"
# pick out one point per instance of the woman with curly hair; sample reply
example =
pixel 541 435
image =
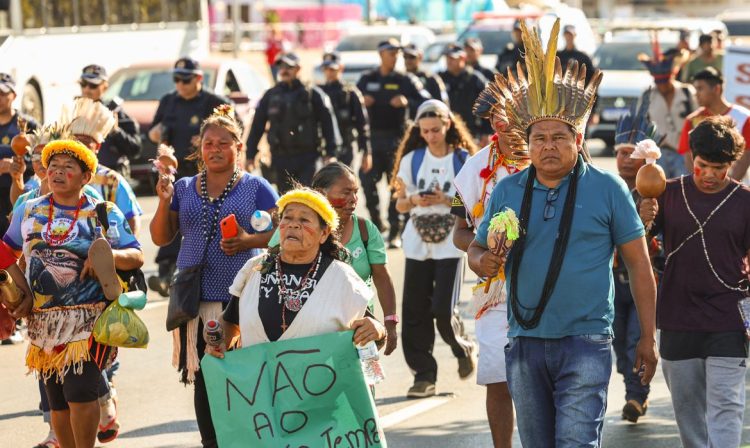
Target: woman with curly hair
pixel 430 155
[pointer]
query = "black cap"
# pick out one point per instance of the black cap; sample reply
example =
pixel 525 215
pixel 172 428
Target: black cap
pixel 331 60
pixel 95 74
pixel 412 50
pixel 289 59
pixel 187 67
pixel 7 83
pixel 569 29
pixel 390 44
pixel 473 42
pixel 517 24
pixel 454 51
pixel 705 39
pixel 709 74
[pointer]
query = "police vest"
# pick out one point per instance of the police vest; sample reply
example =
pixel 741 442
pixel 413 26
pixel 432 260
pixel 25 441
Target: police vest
pixel 293 128
pixel 342 108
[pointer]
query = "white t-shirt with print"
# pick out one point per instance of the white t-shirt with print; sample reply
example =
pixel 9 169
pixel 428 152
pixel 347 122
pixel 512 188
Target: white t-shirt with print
pixel 434 172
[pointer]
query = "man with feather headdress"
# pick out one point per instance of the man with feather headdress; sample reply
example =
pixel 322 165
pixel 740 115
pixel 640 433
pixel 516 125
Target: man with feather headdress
pixel 572 216
pixel 670 102
pixel 633 129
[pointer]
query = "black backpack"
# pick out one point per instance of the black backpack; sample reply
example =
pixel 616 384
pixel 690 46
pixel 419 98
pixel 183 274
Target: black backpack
pixel 134 278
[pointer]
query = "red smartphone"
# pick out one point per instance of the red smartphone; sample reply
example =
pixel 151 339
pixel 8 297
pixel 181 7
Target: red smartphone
pixel 228 226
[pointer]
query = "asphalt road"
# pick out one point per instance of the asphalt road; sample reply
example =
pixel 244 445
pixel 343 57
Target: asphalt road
pixel 157 411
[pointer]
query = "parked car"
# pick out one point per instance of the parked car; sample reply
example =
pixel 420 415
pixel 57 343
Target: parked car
pixel 359 49
pixel 142 86
pixel 625 77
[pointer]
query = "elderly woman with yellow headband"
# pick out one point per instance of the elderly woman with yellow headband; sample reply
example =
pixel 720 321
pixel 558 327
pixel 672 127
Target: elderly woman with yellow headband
pixel 301 288
pixel 55 232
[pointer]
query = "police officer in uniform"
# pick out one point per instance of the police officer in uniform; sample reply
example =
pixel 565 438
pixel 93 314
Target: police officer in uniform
pixel 391 98
pixel 177 123
pixel 572 53
pixel 474 49
pixel 297 114
pixel 512 53
pixel 432 83
pixel 124 142
pixel 180 113
pixel 464 85
pixel 351 114
pixel 9 129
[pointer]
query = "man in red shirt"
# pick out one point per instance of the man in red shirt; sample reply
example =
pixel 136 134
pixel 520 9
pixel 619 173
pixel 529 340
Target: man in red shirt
pixel 709 87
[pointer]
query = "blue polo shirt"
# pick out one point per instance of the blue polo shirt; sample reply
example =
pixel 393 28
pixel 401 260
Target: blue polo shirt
pixel 604 217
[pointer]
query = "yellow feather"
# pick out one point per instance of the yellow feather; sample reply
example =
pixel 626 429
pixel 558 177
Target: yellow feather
pixel 549 69
pixel 532 45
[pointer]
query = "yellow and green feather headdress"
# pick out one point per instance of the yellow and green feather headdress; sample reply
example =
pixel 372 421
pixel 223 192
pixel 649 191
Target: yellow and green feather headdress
pixel 542 91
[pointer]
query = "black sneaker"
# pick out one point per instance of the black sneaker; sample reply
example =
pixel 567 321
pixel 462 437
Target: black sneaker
pixel 421 389
pixel 156 283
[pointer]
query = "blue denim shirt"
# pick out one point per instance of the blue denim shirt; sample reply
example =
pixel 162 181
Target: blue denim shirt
pixel 604 217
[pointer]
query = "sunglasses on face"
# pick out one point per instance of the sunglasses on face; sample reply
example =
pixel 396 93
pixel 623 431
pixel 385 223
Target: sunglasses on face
pixel 549 208
pixel 88 85
pixel 182 79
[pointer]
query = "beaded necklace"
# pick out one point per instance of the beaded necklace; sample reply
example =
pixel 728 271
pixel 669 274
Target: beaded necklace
pixel 701 226
pixel 495 161
pixel 292 298
pixel 55 240
pixel 209 225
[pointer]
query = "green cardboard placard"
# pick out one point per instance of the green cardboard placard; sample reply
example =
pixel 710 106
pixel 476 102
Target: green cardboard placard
pixel 306 392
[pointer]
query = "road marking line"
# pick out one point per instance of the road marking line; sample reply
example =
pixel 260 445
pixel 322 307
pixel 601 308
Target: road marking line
pixel 408 412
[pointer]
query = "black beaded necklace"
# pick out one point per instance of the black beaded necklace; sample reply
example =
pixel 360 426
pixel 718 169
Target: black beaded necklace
pixel 210 223
pixel 558 252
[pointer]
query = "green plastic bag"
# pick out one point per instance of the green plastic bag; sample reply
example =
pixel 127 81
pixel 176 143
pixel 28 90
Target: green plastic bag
pixel 120 327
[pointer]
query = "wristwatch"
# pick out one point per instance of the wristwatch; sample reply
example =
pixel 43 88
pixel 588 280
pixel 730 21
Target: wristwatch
pixel 392 318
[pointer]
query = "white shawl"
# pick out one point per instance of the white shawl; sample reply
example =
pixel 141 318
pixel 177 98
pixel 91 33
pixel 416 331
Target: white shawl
pixel 339 297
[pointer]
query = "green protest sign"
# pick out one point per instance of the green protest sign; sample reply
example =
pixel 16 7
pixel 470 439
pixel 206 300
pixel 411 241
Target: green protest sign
pixel 307 392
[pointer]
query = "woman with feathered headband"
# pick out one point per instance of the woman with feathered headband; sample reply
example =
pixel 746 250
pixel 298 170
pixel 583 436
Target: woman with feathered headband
pixel 90 123
pixel 71 282
pixel 192 209
pixel 559 279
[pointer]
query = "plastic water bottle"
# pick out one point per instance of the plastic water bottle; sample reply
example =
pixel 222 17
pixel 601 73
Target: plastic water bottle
pixel 113 235
pixel 213 334
pixel 369 357
pixel 134 300
pixel 261 221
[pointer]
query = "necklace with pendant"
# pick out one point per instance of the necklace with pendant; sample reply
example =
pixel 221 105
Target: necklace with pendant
pixel 292 297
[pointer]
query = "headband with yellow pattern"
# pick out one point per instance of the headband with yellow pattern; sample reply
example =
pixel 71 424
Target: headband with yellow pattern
pixel 72 148
pixel 315 201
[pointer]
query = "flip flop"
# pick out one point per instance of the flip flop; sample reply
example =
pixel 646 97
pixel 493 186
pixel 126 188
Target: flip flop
pixel 110 431
pixel 100 253
pixel 49 443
